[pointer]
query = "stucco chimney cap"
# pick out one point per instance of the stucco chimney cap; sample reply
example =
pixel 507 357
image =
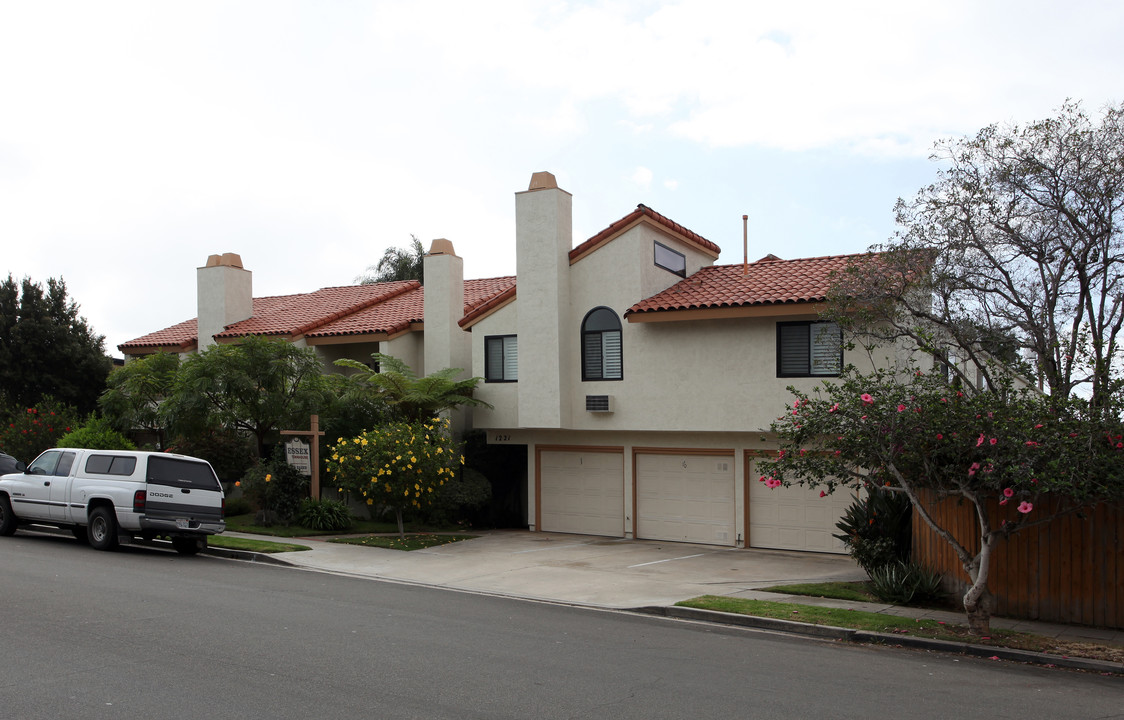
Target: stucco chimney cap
pixel 543 181
pixel 226 259
pixel 441 246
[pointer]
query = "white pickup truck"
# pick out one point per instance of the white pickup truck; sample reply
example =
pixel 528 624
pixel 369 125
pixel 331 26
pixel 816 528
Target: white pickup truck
pixel 109 496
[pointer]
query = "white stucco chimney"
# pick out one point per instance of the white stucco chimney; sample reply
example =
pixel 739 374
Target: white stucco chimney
pixel 543 237
pixel 446 344
pixel 225 295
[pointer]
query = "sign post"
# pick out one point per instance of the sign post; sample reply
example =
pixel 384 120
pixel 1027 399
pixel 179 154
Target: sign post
pixel 313 434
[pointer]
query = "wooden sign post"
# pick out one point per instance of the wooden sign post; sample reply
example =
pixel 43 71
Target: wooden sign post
pixel 314 441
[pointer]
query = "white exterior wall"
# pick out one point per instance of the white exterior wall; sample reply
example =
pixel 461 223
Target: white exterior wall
pixel 709 376
pixel 504 396
pixel 409 349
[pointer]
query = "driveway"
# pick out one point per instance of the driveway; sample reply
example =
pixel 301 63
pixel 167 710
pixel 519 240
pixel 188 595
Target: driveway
pixel 604 572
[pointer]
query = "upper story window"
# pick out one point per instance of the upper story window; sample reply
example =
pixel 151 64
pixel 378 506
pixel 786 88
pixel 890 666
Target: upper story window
pixel 601 345
pixel 670 260
pixel 809 349
pixel 501 358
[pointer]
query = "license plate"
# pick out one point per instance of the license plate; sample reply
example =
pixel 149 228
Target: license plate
pixel 183 524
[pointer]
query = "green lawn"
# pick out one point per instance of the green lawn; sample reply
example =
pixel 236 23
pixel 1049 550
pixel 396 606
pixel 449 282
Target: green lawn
pixel 856 591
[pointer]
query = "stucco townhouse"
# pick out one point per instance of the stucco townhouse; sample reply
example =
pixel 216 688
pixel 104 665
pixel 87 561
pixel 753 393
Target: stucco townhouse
pixel 640 377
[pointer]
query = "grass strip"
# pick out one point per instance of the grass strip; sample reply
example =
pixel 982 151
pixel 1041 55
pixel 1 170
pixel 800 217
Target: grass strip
pixel 867 621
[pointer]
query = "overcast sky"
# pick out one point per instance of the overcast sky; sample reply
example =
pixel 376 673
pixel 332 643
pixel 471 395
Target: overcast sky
pixel 138 138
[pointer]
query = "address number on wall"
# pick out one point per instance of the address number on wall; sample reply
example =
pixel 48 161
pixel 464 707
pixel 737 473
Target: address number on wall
pixel 499 438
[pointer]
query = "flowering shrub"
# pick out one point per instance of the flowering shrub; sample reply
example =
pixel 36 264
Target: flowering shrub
pixel 27 431
pixel 276 489
pixel 400 466
pixel 917 432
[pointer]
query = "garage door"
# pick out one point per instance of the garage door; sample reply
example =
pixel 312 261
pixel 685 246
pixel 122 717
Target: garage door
pixel 581 492
pixel 685 498
pixel 794 518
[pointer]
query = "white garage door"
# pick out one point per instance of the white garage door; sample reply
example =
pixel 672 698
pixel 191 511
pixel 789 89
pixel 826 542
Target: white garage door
pixel 795 518
pixel 581 492
pixel 685 498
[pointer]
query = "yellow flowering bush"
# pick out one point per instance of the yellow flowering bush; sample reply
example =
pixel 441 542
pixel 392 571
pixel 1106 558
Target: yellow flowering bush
pixel 402 466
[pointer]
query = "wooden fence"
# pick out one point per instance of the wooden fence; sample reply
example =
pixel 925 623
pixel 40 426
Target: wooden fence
pixel 1070 570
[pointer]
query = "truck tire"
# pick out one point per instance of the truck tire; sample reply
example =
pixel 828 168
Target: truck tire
pixel 188 546
pixel 7 519
pixel 102 530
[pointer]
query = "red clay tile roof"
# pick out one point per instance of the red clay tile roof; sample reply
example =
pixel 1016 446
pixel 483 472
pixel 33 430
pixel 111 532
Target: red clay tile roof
pixel 350 310
pixel 769 281
pixel 302 313
pixel 398 313
pixel 176 336
pixel 643 211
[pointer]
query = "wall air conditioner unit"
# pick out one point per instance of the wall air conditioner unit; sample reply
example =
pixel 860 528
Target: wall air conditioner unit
pixel 599 403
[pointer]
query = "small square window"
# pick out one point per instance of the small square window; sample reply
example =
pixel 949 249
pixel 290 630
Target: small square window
pixel 501 358
pixel 809 349
pixel 670 260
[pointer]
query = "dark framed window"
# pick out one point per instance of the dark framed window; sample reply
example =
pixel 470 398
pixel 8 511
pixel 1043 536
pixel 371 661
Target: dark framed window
pixel 809 349
pixel 501 358
pixel 601 345
pixel 671 260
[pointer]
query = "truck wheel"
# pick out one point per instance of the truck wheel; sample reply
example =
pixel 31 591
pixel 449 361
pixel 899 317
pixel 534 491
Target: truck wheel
pixel 7 519
pixel 188 546
pixel 102 531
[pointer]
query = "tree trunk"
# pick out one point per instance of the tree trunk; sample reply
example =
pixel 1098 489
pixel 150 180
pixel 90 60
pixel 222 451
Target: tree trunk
pixel 977 598
pixel 978 610
pixel 401 528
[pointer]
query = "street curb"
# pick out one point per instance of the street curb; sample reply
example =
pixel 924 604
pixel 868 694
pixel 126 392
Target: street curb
pixel 247 556
pixel 861 636
pixel 790 626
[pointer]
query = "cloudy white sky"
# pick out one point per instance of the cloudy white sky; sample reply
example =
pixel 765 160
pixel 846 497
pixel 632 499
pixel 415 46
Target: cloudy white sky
pixel 138 138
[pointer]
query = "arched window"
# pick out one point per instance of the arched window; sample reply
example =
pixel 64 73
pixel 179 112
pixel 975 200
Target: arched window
pixel 601 345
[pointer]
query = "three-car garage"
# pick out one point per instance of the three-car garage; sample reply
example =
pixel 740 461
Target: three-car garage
pixel 679 495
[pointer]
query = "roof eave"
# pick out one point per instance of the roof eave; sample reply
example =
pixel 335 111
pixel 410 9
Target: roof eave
pixel 785 309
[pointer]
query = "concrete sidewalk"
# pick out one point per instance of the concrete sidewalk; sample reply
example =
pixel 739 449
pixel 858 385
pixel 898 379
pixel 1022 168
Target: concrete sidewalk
pixel 618 573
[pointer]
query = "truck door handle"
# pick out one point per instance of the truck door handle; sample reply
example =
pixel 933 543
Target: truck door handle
pixel 46 483
pixel 185 491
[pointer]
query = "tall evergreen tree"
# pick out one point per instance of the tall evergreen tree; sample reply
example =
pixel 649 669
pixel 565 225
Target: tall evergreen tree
pixel 47 348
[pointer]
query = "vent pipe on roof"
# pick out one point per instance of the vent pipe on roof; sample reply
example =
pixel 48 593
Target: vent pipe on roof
pixel 745 244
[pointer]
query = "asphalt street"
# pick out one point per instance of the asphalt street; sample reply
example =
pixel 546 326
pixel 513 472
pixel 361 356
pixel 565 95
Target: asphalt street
pixel 147 633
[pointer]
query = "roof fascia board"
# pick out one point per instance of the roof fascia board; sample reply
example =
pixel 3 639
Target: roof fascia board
pixel 739 311
pixel 347 339
pixel 489 311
